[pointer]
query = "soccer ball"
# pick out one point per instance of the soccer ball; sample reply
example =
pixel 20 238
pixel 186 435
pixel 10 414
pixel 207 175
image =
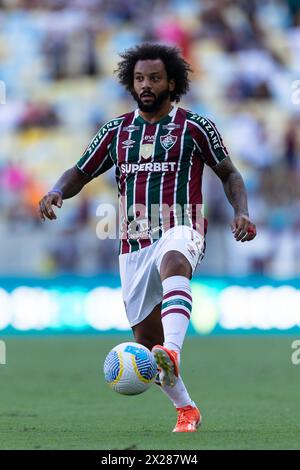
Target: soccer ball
pixel 130 368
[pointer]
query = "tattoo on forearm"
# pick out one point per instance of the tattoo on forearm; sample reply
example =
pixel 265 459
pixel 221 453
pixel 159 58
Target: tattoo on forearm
pixel 236 193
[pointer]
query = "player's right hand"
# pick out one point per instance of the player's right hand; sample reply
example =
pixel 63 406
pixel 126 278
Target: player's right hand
pixel 45 205
pixel 243 229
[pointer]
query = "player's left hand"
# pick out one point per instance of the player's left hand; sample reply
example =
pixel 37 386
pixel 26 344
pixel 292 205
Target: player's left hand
pixel 243 229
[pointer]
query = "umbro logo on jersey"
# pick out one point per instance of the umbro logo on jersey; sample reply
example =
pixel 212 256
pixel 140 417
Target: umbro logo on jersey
pixel 128 143
pixel 131 128
pixel 168 141
pixel 171 126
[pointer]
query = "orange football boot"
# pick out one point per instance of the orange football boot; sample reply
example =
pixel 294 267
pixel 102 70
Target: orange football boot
pixel 189 418
pixel 167 364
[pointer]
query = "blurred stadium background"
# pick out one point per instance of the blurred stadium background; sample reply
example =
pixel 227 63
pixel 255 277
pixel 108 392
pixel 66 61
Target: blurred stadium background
pixel 57 87
pixel 57 59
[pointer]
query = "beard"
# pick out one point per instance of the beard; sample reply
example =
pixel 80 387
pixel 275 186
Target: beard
pixel 156 103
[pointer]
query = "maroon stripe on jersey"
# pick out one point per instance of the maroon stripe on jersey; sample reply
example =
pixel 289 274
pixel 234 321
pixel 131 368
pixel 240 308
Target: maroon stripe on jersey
pixel 121 155
pixel 176 310
pixel 177 292
pixel 99 156
pixel 202 142
pixel 170 177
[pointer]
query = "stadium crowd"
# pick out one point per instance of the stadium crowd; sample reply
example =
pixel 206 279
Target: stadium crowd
pixel 57 59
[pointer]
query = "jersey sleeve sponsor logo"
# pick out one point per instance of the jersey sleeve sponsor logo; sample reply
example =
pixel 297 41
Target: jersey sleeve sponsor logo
pixel 210 131
pixel 102 132
pixel 168 141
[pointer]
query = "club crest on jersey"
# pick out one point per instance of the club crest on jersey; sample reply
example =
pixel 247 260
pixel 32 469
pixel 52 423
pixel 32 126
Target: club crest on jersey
pixel 146 150
pixel 167 141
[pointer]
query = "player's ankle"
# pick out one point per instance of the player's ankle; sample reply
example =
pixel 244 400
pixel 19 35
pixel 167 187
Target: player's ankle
pixel 172 347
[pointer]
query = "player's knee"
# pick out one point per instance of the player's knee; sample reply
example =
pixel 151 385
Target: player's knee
pixel 174 264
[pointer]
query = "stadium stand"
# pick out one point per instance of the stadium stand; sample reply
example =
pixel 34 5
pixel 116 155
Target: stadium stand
pixel 58 74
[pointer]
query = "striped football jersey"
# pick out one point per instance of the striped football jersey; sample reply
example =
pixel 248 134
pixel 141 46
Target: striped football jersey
pixel 158 169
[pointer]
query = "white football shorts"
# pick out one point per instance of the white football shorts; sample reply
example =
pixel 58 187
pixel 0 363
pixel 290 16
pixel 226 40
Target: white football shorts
pixel 139 270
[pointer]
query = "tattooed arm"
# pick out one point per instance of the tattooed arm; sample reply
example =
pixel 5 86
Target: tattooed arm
pixel 69 184
pixel 234 187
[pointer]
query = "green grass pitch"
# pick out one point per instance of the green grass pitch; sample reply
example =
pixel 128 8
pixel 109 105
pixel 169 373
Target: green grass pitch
pixel 53 396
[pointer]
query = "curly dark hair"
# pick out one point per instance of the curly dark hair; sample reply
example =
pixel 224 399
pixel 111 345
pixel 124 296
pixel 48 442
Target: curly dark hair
pixel 176 67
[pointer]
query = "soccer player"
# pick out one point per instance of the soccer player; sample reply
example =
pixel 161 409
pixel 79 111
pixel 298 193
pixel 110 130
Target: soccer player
pixel 159 151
